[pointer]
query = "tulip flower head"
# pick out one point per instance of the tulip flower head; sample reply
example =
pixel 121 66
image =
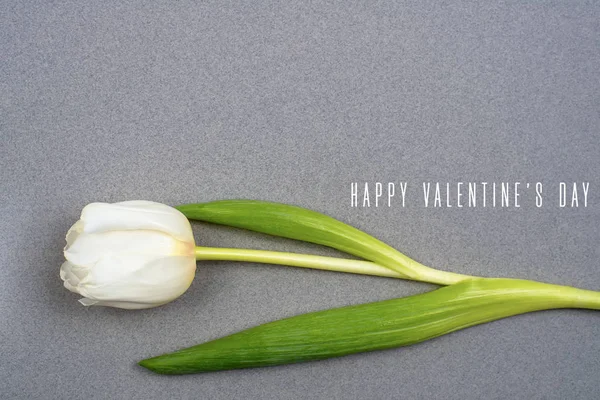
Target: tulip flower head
pixel 132 255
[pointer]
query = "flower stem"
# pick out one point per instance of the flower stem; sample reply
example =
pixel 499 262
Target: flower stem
pixel 295 260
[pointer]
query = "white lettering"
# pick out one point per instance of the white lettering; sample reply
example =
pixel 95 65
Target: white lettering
pixel 366 200
pixel 562 194
pixel 403 186
pixel 378 192
pixel 354 194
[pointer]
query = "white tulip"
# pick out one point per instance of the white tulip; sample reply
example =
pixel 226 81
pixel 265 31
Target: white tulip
pixel 133 255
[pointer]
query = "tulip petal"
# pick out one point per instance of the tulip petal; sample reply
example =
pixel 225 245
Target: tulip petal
pixel 74 233
pixel 88 302
pixel 138 279
pixel 128 305
pixel 135 215
pixel 71 288
pixel 72 274
pixel 89 248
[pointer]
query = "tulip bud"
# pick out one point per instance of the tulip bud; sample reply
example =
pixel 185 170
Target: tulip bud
pixel 132 255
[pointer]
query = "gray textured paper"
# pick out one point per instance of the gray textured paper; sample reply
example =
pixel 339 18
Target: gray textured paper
pixel 179 102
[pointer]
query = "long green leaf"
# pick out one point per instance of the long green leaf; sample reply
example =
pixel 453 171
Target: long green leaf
pixel 310 226
pixel 373 326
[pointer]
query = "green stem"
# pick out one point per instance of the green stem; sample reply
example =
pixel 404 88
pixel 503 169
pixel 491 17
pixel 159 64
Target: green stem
pixel 324 263
pixel 295 260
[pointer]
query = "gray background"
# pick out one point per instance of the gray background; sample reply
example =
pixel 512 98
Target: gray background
pixel 181 102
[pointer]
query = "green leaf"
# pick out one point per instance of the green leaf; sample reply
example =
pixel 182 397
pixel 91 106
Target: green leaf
pixel 310 226
pixel 373 326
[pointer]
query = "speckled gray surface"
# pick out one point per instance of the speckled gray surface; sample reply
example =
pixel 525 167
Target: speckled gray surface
pixel 177 102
